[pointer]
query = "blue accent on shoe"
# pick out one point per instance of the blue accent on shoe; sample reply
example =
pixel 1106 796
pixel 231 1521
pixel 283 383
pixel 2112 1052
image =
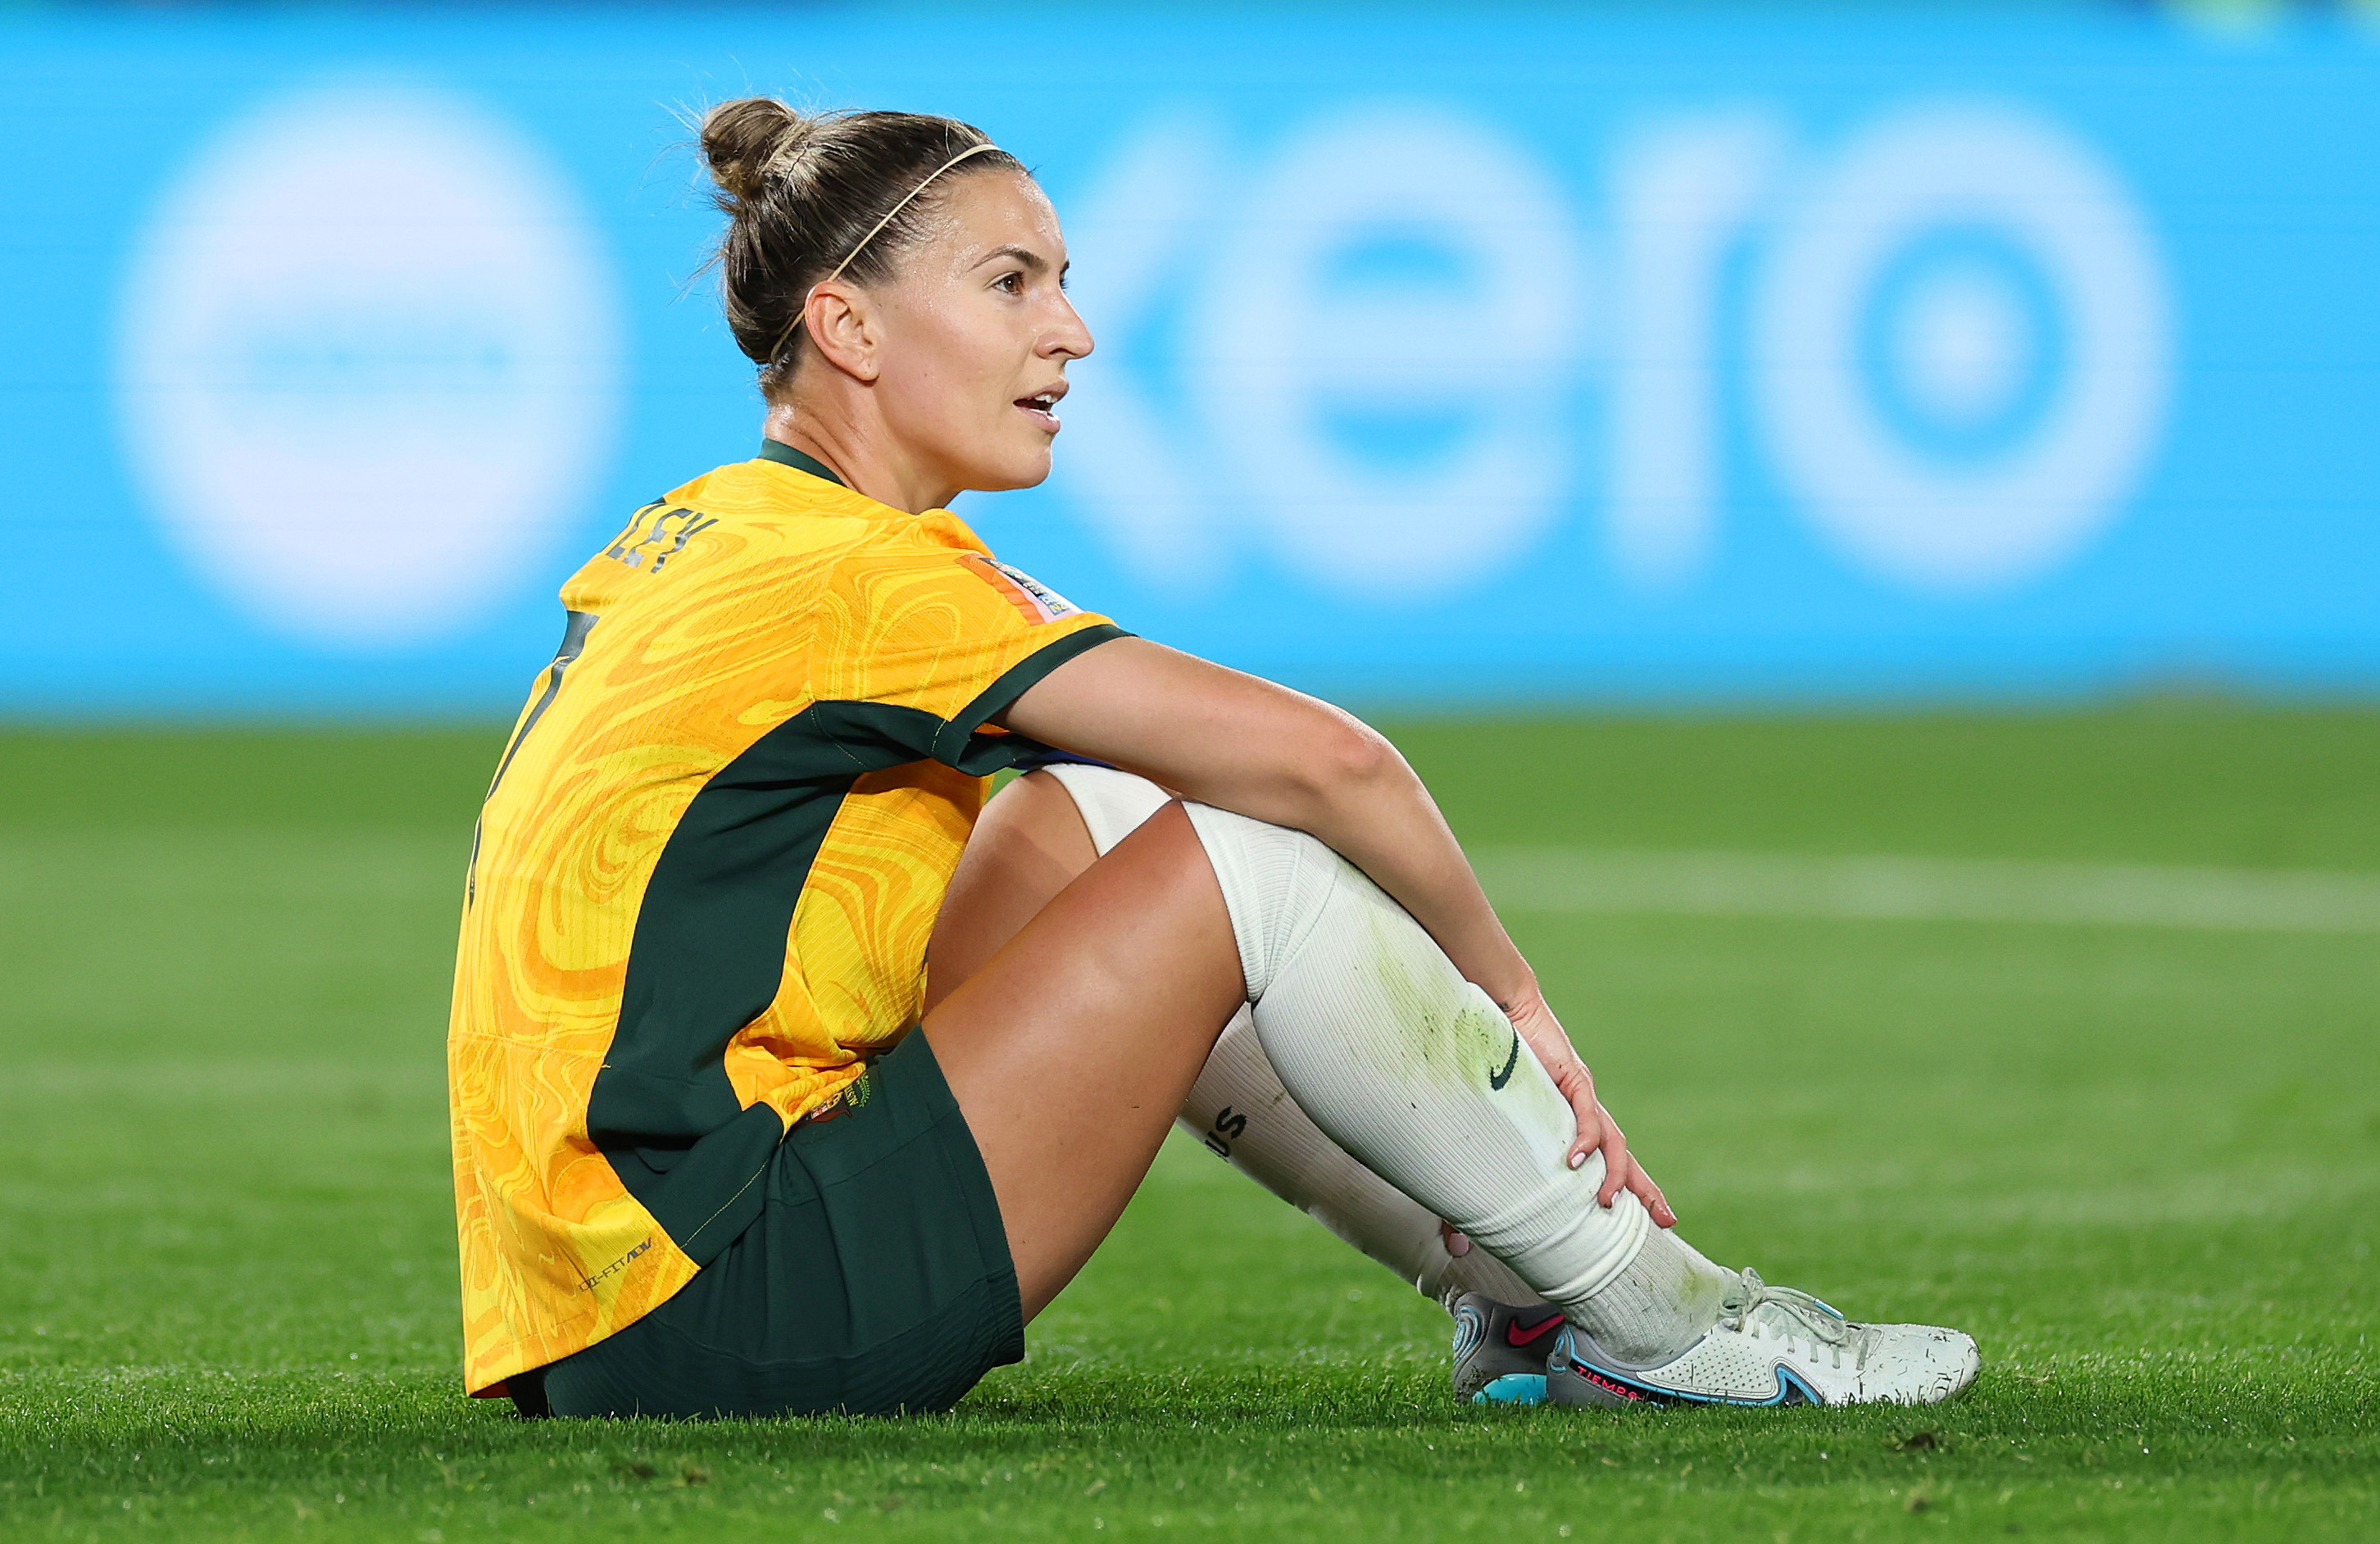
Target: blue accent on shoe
pixel 1789 1384
pixel 1514 1387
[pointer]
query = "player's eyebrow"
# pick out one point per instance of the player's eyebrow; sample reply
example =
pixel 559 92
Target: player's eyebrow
pixel 1032 261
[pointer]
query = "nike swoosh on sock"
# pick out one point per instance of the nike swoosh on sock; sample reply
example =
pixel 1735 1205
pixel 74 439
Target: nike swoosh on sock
pixel 1496 1080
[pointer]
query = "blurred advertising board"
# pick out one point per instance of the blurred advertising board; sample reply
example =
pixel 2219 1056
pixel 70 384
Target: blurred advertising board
pixel 1506 356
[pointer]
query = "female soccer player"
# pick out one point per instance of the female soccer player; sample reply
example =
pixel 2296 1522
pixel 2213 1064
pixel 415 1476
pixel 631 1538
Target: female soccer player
pixel 726 1144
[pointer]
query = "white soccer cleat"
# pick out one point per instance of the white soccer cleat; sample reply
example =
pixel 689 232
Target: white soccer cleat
pixel 1774 1345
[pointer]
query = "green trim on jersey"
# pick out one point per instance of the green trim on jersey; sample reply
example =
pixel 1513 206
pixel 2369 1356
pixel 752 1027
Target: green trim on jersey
pixel 708 952
pixel 1013 683
pixel 784 454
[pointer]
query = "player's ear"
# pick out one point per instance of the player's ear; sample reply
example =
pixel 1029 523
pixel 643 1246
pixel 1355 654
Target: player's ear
pixel 843 327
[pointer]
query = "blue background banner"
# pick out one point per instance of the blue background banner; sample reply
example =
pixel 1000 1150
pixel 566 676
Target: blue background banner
pixel 1461 358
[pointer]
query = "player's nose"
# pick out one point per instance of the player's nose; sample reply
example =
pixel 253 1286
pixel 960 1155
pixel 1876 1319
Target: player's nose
pixel 1069 338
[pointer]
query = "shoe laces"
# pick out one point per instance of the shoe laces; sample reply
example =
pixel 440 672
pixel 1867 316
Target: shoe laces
pixel 1817 1319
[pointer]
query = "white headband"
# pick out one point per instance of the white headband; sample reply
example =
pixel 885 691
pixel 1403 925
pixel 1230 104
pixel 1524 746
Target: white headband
pixel 873 232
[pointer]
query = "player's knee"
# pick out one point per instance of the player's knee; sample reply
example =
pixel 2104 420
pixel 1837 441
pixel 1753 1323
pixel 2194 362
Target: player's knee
pixel 1275 882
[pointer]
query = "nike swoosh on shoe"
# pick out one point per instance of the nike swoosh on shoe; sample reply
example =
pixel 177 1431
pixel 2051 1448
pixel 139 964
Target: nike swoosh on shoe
pixel 1517 1334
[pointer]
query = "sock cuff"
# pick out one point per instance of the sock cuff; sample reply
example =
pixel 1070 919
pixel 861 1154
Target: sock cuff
pixel 1565 1237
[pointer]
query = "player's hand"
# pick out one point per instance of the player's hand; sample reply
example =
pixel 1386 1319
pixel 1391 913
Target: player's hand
pixel 1596 1130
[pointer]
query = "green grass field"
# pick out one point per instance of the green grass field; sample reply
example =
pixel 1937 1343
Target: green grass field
pixel 2141 1163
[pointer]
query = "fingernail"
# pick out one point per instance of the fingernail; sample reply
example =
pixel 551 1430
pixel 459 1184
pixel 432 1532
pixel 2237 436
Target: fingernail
pixel 1578 1160
pixel 1458 1245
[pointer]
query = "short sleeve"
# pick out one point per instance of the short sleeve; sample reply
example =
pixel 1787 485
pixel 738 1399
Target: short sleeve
pixel 922 647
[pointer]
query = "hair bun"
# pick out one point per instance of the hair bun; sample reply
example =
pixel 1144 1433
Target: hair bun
pixel 809 195
pixel 745 140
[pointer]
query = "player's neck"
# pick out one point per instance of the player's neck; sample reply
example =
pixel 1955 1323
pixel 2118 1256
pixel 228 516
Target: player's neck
pixel 867 460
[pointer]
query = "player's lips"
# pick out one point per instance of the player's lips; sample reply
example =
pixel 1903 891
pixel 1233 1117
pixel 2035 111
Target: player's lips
pixel 1042 407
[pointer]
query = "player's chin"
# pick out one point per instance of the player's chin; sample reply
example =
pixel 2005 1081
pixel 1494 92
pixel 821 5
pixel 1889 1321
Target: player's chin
pixel 1019 465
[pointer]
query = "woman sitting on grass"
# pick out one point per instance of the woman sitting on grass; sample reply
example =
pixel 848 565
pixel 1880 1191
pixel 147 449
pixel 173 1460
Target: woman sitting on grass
pixel 726 1143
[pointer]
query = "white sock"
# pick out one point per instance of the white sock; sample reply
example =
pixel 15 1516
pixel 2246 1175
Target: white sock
pixel 1240 1110
pixel 1666 1299
pixel 1113 803
pixel 1417 1074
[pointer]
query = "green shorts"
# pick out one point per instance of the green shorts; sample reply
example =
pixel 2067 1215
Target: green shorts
pixel 876 1280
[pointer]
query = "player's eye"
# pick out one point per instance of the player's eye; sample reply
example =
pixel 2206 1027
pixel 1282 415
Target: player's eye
pixel 1011 282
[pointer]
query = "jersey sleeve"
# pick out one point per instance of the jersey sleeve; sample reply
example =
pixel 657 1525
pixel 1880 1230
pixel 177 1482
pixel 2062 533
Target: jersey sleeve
pixel 922 648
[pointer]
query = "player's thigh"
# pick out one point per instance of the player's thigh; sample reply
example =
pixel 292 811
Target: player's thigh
pixel 1072 1046
pixel 1029 843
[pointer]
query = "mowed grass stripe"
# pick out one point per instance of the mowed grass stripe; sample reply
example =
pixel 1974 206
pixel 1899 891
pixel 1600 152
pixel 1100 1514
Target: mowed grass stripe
pixel 285 866
pixel 1919 889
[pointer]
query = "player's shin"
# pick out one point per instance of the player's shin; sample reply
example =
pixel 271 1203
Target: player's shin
pixel 1240 1110
pixel 1415 1073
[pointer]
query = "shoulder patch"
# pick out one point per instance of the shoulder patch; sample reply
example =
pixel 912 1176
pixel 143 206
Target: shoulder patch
pixel 1036 602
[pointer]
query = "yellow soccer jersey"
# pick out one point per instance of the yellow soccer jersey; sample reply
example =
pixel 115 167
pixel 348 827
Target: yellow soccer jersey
pixel 705 875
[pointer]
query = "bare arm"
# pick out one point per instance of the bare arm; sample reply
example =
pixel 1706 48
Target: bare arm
pixel 1232 740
